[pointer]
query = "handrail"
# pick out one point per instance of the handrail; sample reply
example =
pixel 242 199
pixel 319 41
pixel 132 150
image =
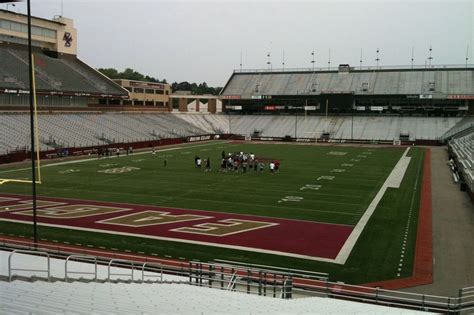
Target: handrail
pixel 252 280
pixel 152 276
pixel 232 281
pixel 322 275
pixel 85 258
pixel 21 251
pixel 119 274
pixel 355 68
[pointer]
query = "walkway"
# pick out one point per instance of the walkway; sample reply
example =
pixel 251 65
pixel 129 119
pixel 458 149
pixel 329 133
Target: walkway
pixel 453 231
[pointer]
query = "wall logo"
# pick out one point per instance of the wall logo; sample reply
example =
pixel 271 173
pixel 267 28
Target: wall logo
pixel 67 38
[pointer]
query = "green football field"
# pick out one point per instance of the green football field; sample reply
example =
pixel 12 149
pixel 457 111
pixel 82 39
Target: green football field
pixel 329 184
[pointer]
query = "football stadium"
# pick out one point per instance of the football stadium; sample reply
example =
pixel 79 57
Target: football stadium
pixel 340 189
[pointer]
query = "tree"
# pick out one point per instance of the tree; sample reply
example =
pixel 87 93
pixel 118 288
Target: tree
pixel 109 72
pixel 130 74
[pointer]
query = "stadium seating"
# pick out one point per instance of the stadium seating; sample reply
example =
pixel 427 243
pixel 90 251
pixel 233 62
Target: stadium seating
pixel 463 150
pixel 90 129
pixel 41 297
pixel 458 81
pixel 461 146
pixel 63 74
pixel 368 128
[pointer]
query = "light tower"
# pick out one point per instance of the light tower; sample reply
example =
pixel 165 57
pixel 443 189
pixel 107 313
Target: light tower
pixel 377 59
pixel 430 57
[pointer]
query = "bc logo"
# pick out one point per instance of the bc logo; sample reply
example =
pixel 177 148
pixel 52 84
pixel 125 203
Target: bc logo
pixel 67 38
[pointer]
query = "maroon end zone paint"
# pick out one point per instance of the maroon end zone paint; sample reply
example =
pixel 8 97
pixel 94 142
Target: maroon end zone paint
pixel 286 236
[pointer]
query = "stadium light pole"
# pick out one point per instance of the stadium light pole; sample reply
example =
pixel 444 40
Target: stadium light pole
pixel 329 60
pixel 352 120
pixel 430 57
pixel 32 129
pixel 240 61
pixel 467 55
pixel 283 63
pixel 377 59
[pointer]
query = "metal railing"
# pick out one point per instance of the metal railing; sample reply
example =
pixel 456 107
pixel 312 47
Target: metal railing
pixel 122 263
pixel 147 264
pixel 275 282
pixel 30 252
pixel 80 258
pixel 352 68
pixel 466 299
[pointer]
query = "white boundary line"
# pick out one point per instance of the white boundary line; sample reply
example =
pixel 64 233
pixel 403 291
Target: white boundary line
pixel 393 180
pixel 182 146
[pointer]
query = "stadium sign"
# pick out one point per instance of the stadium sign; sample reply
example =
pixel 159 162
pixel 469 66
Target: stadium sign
pixel 461 97
pixel 231 97
pixel 67 38
pixel 376 108
pixel 256 97
pixel 310 108
pixel 235 107
pixel 426 96
pixel 198 138
pixel 14 91
pixel 146 84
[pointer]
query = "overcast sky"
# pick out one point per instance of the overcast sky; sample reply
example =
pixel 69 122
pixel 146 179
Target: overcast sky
pixel 203 41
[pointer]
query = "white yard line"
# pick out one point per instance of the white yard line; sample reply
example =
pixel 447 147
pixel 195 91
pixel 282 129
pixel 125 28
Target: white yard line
pixel 106 158
pixel 393 180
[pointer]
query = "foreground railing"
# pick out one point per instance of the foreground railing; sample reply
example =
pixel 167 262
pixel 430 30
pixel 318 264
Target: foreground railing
pixel 261 280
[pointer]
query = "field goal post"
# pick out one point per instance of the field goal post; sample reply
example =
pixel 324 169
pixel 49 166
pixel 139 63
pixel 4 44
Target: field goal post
pixel 36 131
pixel 311 135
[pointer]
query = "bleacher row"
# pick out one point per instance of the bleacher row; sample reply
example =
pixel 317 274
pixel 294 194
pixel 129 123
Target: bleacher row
pixel 343 127
pixel 463 149
pixel 64 74
pixel 21 297
pixel 91 129
pixel 170 297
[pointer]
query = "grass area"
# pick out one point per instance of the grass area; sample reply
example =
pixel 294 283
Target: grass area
pixel 340 200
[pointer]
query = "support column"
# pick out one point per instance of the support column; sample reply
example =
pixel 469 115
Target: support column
pixel 197 105
pixel 212 105
pixel 183 105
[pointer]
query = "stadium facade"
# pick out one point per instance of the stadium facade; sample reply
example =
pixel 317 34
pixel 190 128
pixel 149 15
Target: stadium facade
pixel 61 78
pixel 146 93
pixel 429 91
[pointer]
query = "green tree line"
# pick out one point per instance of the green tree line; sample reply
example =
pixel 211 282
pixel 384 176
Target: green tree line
pixel 130 74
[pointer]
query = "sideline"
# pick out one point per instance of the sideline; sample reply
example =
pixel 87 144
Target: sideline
pixel 393 181
pixel 111 157
pixel 423 264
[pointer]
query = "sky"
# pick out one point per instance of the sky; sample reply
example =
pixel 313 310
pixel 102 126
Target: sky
pixel 204 41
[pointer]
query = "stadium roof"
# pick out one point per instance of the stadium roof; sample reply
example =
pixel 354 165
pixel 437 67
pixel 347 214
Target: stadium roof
pixel 34 17
pixel 439 82
pixel 64 75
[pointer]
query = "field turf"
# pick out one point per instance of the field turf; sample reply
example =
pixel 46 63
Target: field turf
pixel 342 199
